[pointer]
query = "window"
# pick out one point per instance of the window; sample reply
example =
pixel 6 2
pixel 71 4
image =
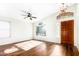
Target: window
pixel 40 29
pixel 4 29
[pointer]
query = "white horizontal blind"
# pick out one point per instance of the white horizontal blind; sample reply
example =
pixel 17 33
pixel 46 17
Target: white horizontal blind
pixel 4 29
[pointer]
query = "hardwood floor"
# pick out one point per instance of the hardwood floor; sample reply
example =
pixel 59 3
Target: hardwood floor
pixel 44 49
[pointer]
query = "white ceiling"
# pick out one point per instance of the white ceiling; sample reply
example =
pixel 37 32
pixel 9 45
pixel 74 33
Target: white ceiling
pixel 40 10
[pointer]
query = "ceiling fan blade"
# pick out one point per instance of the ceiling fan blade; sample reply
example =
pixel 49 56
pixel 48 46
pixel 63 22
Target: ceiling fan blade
pixel 34 17
pixel 25 17
pixel 30 18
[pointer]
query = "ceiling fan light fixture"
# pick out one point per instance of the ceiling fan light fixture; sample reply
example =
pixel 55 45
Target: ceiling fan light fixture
pixel 28 15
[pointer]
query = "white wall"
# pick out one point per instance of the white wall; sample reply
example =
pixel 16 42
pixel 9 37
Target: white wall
pixel 52 28
pixel 20 31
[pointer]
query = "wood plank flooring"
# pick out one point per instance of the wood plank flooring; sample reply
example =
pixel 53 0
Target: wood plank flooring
pixel 44 49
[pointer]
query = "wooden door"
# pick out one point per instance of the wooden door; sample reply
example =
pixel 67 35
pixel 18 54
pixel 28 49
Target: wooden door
pixel 67 32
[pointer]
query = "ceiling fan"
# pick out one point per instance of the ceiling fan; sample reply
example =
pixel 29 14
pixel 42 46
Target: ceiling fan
pixel 28 15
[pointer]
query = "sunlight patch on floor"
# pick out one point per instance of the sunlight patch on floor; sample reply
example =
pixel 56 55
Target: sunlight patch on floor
pixel 11 50
pixel 28 45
